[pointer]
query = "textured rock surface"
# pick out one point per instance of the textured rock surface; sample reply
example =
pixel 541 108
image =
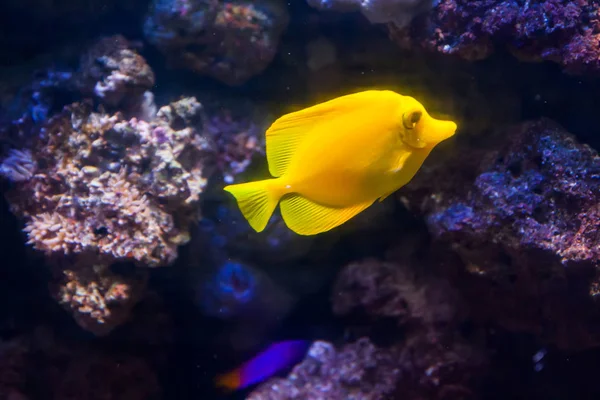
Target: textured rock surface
pixel 94 189
pixel 523 217
pixel 562 31
pixel 358 370
pixel 115 74
pixel 229 41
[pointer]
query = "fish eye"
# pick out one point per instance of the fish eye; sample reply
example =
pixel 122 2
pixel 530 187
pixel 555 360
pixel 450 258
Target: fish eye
pixel 410 119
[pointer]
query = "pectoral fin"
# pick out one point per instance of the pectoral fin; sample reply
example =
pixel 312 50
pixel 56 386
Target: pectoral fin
pixel 400 161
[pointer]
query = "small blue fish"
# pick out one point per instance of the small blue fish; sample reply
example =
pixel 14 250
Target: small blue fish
pixel 275 358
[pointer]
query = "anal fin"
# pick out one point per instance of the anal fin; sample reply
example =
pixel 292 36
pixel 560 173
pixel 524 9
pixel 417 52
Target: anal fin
pixel 306 217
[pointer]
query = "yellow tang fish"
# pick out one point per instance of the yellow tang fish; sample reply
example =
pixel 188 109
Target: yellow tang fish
pixel 333 160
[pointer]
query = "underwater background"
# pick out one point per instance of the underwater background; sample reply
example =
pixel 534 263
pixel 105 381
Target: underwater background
pixel 128 273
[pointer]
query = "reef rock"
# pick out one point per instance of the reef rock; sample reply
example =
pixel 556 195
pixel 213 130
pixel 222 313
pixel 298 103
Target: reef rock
pixel 115 74
pixel 100 184
pixel 565 32
pixel 359 370
pixel 362 370
pixel 95 189
pixel 417 309
pixel 230 41
pixel 523 216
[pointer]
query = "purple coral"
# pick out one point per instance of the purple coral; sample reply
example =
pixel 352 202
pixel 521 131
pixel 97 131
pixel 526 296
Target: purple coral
pixel 553 30
pixel 230 41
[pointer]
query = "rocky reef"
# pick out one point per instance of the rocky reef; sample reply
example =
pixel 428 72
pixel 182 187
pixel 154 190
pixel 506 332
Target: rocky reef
pixel 526 228
pixel 558 31
pixel 95 189
pixel 230 41
pixel 131 274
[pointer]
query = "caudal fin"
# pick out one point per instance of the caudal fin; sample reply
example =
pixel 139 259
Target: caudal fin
pixel 256 200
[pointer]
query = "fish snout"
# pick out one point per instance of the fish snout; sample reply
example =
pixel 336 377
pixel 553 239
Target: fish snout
pixel 438 131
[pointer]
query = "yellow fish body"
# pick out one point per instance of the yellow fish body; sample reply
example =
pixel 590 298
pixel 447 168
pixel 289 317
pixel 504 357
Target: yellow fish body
pixel 333 160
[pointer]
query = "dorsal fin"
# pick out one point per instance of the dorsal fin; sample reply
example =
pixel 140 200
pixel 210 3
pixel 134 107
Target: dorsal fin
pixel 285 134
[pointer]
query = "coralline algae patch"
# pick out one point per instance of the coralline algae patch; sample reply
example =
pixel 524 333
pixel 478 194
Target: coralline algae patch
pixel 117 188
pixel 95 189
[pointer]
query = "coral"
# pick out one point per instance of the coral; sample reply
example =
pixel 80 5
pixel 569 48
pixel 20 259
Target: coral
pixel 113 72
pixel 18 165
pixel 407 303
pixel 553 30
pixel 398 12
pixel 522 215
pixel 125 189
pixel 228 40
pixel 95 189
pixel 358 370
pixel 238 290
pixel 98 298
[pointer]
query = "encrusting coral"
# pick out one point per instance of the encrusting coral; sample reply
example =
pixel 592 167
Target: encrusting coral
pixel 98 297
pixel 96 189
pixel 122 188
